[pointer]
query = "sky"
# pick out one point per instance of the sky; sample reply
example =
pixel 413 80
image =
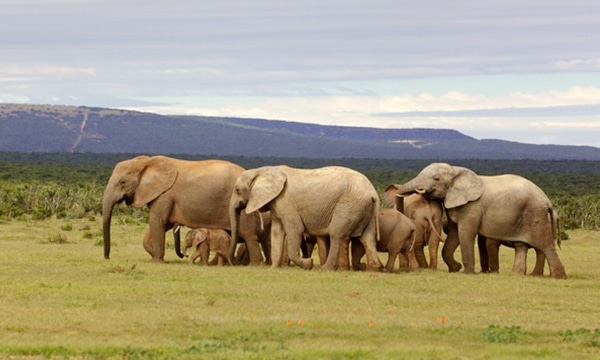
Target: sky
pixel 518 70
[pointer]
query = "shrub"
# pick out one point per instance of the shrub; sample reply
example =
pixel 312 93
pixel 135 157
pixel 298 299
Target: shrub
pixel 57 238
pixel 502 334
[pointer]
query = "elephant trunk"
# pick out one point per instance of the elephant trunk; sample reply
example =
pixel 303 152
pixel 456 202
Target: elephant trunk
pixel 234 216
pixel 185 249
pixel 409 188
pixel 177 240
pixel 108 204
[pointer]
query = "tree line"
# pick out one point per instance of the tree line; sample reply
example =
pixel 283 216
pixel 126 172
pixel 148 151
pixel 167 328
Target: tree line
pixel 40 186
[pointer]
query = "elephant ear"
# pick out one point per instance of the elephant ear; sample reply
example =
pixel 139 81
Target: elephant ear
pixel 466 186
pixel 266 185
pixel 156 178
pixel 390 195
pixel 200 236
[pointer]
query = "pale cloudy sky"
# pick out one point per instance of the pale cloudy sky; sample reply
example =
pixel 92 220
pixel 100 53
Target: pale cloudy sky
pixel 522 70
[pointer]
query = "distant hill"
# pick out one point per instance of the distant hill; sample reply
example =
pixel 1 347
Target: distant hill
pixel 48 128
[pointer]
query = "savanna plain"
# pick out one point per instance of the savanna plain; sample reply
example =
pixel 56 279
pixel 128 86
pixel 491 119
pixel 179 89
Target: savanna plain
pixel 60 299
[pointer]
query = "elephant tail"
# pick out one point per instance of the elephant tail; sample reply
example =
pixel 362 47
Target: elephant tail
pixel 555 221
pixel 376 212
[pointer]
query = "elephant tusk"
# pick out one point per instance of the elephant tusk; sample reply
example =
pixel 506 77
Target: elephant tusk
pixel 420 191
pixel 176 228
pixel 262 222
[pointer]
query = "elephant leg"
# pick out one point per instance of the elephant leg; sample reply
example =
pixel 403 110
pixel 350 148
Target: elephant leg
pixel 392 256
pixel 194 256
pixel 277 239
pixel 253 250
pixel 434 245
pixel 520 265
pixel 466 236
pixel 265 245
pixel 157 234
pixel 449 248
pixel 419 246
pixel 307 247
pixel 343 262
pixel 404 262
pixel 540 261
pixel 369 240
pixel 358 251
pixel 492 254
pixel 204 253
pixel 482 245
pixel 335 243
pixel 323 246
pixel 412 260
pixel 557 270
pixel 293 240
pixel 148 243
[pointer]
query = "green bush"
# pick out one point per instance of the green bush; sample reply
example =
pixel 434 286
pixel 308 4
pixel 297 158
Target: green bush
pixel 583 336
pixel 502 334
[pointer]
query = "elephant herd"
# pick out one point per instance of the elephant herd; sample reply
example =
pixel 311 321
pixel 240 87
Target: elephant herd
pixel 285 211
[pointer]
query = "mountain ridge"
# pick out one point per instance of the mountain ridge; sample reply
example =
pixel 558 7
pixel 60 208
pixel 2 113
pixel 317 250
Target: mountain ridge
pixel 62 128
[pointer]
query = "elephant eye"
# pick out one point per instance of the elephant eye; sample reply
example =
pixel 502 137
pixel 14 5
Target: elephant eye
pixel 436 178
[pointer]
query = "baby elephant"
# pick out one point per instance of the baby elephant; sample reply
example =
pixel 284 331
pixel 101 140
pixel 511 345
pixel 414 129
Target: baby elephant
pixel 396 237
pixel 206 240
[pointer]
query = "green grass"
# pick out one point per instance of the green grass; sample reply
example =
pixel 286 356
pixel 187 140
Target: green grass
pixel 63 300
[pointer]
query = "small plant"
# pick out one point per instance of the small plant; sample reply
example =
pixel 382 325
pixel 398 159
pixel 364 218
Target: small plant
pixel 67 227
pixel 583 336
pixel 57 238
pixel 125 270
pixel 502 334
pixel 88 235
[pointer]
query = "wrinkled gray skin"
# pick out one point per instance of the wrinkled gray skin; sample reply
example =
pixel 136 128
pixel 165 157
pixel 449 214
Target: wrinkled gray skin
pixel 502 207
pixel 427 217
pixel 206 241
pixel 396 237
pixel 332 201
pixel 190 193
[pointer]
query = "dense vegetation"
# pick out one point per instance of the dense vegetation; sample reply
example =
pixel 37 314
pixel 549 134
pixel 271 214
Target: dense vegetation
pixel 40 185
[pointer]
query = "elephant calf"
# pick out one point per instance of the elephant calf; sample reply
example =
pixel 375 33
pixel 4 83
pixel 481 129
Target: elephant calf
pixel 206 240
pixel 396 237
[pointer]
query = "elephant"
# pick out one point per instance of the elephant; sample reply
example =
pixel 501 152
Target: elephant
pixel 206 241
pixel 242 257
pixel 177 192
pixel 427 216
pixel 331 201
pixel 397 236
pixel 502 207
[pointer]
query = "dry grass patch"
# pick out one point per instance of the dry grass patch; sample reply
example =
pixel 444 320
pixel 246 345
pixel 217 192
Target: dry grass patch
pixel 66 301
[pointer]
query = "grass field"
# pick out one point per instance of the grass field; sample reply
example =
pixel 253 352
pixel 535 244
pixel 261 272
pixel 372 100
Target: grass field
pixel 60 299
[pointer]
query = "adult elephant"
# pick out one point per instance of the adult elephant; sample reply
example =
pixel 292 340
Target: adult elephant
pixel 502 207
pixel 332 201
pixel 427 217
pixel 190 193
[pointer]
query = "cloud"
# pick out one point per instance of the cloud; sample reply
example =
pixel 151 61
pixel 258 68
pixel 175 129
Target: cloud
pixel 382 63
pixel 45 70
